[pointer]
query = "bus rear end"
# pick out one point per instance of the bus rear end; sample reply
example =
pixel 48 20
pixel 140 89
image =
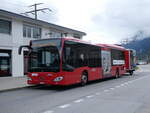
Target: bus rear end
pixel 130 61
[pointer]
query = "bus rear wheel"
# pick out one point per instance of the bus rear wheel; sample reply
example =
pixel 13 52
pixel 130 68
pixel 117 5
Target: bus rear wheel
pixel 117 74
pixel 84 79
pixel 131 73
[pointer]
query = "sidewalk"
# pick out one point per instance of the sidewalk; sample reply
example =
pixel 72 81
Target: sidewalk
pixel 11 83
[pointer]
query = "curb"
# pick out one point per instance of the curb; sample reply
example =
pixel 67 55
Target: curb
pixel 16 88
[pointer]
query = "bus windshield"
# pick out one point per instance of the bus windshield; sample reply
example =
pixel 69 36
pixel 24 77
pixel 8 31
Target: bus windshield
pixel 44 57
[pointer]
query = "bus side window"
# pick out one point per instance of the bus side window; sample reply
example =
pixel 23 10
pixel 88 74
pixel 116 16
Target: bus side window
pixel 68 59
pixel 81 55
pixel 94 57
pixel 81 60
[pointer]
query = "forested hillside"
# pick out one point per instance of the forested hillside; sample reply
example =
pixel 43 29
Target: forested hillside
pixel 142 47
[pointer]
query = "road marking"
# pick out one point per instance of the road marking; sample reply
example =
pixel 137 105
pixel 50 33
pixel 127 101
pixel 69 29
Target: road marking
pixel 112 88
pixel 98 93
pixel 117 86
pixel 90 96
pixel 138 79
pixel 126 83
pixel 78 101
pixel 106 90
pixel 48 112
pixel 64 106
pixel 122 85
pixel 130 82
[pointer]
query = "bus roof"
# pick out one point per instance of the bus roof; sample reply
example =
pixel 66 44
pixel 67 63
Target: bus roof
pixel 113 46
pixel 77 40
pixel 69 39
pixel 110 46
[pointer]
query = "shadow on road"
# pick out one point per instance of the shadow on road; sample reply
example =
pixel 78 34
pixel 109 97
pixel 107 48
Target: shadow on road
pixel 63 88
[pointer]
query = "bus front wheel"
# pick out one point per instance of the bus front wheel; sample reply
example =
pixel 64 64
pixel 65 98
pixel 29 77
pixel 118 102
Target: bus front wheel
pixel 84 79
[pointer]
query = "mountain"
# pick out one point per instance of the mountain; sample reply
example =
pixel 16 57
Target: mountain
pixel 142 47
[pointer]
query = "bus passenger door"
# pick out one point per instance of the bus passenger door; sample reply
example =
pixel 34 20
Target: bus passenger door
pixel 106 63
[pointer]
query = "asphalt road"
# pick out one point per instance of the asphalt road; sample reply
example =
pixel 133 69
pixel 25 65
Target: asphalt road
pixel 128 94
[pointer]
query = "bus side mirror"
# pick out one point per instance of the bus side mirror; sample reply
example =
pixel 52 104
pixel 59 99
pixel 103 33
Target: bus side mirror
pixel 24 46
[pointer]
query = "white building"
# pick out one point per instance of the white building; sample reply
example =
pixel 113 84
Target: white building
pixel 17 30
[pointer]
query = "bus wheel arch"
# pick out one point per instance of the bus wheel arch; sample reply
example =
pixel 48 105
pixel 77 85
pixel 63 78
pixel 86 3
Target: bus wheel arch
pixel 84 78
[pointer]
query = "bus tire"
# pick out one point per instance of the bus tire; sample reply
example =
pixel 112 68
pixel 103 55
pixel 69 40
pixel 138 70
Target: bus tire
pixel 84 79
pixel 131 73
pixel 117 74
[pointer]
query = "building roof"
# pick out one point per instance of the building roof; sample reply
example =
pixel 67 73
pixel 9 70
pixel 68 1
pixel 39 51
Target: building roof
pixel 39 22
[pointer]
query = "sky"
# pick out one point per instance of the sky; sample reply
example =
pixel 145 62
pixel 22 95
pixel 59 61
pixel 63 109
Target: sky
pixel 104 21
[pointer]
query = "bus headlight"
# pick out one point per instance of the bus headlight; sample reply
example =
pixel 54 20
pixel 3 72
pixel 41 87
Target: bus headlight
pixel 34 74
pixel 57 79
pixel 29 78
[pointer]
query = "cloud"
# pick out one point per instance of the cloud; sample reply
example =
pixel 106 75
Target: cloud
pixel 76 12
pixel 123 18
pixel 104 21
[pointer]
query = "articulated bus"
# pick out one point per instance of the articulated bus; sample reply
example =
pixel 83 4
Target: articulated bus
pixel 66 61
pixel 122 58
pixel 131 60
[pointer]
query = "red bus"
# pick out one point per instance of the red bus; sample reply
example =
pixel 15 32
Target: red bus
pixel 66 61
pixel 122 58
pixel 130 58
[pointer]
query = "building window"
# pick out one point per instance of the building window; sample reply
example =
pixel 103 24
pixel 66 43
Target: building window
pixel 5 63
pixel 31 31
pixel 55 34
pixel 77 36
pixel 5 26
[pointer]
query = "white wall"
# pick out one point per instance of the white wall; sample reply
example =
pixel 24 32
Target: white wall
pixel 45 33
pixel 17 60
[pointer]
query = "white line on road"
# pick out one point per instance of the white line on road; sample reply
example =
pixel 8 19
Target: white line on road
pixel 64 106
pixel 117 86
pixel 130 82
pixel 137 79
pixel 90 96
pixel 106 90
pixel 48 112
pixel 98 93
pixel 126 83
pixel 78 101
pixel 122 84
pixel 112 88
